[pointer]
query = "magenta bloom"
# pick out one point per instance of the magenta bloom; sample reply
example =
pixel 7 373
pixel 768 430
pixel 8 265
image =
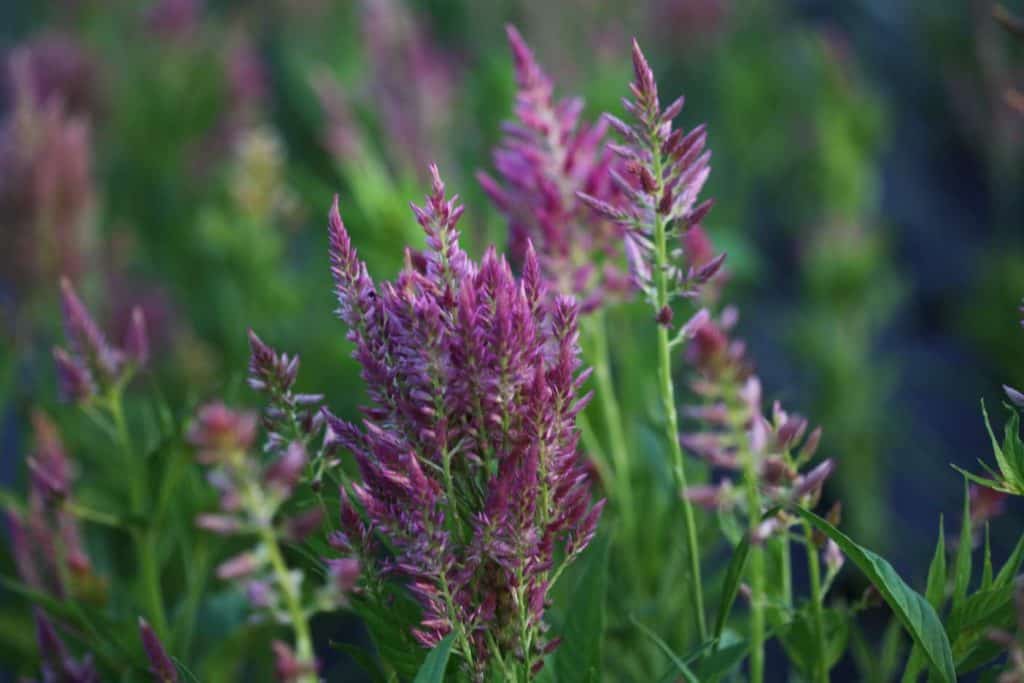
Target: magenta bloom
pixel 546 157
pixel 468 450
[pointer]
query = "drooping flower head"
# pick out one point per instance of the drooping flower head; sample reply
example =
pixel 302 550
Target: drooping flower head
pixel 546 156
pixel 468 450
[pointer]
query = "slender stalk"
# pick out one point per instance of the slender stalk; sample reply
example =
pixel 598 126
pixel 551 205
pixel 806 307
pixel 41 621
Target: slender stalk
pixel 145 538
pixel 757 578
pixel 593 449
pixel 668 402
pixel 606 396
pixel 303 640
pixel 814 570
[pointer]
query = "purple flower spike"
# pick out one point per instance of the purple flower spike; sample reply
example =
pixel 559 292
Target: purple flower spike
pixel 160 663
pixel 136 343
pixel 661 173
pixel 546 157
pixel 467 453
pixel 57 663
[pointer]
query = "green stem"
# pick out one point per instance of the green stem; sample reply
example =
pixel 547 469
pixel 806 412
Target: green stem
pixel 597 331
pixel 593 449
pixel 668 402
pixel 303 640
pixel 757 570
pixel 145 539
pixel 814 570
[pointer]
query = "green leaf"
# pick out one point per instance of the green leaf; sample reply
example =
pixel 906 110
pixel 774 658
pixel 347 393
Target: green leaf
pixel 986 571
pixel 436 663
pixel 799 639
pixel 916 615
pixel 962 566
pixel 731 585
pixel 1012 566
pixel 364 659
pixel 935 590
pixel 663 646
pixel 578 658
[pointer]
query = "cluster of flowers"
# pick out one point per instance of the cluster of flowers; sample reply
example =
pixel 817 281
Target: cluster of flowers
pixel 254 498
pixel 732 427
pixel 58 664
pixel 410 81
pixel 91 366
pixel 46 186
pixel 665 170
pixel 468 451
pixel 546 157
pixel 46 540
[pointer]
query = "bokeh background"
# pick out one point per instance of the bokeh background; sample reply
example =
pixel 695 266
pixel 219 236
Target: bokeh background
pixel 182 154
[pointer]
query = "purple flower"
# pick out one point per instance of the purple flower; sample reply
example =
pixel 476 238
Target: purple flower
pixel 46 182
pixel 467 453
pixel 46 540
pixel 664 171
pixel 546 157
pixel 57 663
pixel 91 364
pixel 160 663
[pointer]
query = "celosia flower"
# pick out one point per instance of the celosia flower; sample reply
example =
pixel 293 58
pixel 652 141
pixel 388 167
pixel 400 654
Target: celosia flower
pixel 665 170
pixel 54 68
pixel 289 416
pixel 468 450
pixel 57 663
pixel 46 183
pixel 160 663
pixel 545 158
pixel 45 539
pixel 732 427
pixel 255 493
pixel 411 80
pixel 91 364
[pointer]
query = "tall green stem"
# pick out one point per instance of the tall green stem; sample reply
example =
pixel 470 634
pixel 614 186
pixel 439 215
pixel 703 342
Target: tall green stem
pixel 145 539
pixel 756 561
pixel 606 396
pixel 668 402
pixel 814 570
pixel 303 640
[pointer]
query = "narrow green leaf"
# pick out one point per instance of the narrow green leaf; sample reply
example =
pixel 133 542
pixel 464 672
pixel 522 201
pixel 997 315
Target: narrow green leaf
pixel 935 590
pixel 986 571
pixel 1012 565
pixel 731 585
pixel 962 566
pixel 1007 468
pixel 579 655
pixel 663 646
pixel 993 484
pixel 436 663
pixel 365 660
pixel 916 615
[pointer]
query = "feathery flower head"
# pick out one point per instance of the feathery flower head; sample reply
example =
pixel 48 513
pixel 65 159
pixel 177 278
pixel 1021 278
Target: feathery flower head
pixel 664 170
pixel 546 157
pixel 731 426
pixel 57 663
pixel 91 364
pixel 46 182
pixel 468 450
pixel 160 663
pixel 46 541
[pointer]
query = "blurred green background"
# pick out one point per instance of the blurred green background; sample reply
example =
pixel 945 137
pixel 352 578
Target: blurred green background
pixel 866 170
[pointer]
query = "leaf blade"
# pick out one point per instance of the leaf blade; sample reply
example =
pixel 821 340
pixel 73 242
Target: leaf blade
pixel 916 615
